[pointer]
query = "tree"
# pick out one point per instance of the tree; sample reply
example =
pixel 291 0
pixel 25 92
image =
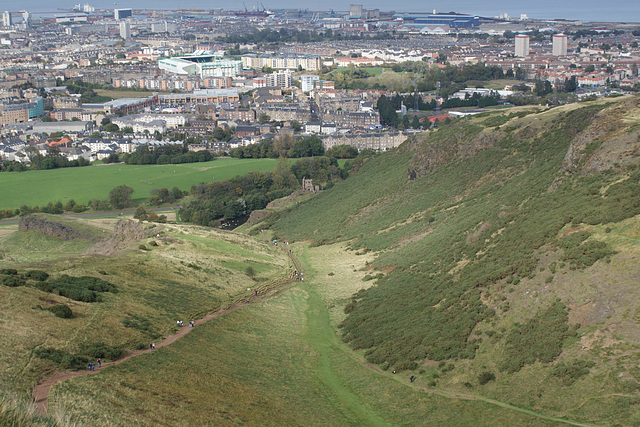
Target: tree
pixel 111 127
pixel 120 197
pixel 571 84
pixel 542 88
pixel 307 147
pixel 105 121
pixel 387 112
pixel 140 213
pixel 263 118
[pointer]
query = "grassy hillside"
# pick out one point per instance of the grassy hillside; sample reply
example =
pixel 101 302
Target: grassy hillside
pixel 94 182
pixel 178 273
pixel 502 266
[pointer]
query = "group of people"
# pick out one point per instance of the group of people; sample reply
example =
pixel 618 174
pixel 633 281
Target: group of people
pixel 92 366
pixel 192 323
pixel 300 276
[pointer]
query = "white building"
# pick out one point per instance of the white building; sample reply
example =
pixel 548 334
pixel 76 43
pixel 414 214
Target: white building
pixel 6 18
pixel 125 30
pixel 119 14
pixel 522 45
pixel 306 82
pixel 203 65
pixel 279 79
pixel 560 44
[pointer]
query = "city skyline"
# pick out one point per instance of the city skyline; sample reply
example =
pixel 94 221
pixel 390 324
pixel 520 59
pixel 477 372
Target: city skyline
pixel 624 10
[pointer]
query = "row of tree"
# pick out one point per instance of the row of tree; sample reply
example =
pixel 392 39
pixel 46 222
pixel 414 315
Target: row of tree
pixel 284 145
pixel 52 160
pixel 166 154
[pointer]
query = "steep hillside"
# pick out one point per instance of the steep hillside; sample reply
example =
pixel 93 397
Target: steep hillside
pixel 507 256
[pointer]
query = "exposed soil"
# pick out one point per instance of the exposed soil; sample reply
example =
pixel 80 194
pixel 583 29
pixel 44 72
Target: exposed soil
pixel 125 232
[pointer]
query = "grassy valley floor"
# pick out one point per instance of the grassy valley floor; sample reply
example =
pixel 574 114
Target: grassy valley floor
pixel 278 362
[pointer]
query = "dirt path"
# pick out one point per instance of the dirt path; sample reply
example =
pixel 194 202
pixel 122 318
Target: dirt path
pixel 265 292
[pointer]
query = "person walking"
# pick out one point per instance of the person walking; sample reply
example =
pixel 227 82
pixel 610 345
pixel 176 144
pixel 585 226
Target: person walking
pixel 99 363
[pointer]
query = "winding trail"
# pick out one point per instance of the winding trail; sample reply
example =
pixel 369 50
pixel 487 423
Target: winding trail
pixel 265 292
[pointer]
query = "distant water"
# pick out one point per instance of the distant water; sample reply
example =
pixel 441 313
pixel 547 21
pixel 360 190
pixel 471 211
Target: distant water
pixel 587 10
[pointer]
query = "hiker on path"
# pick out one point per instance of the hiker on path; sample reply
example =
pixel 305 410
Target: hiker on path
pixel 412 378
pixel 99 363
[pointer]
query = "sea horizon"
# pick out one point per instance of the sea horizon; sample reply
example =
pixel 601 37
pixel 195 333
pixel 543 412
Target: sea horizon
pixel 624 10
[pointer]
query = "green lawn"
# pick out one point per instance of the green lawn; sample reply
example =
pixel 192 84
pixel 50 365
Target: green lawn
pixel 95 182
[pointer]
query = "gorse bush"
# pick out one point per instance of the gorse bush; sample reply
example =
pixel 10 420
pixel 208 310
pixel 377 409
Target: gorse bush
pixel 102 351
pixel 485 377
pixel 38 275
pixel 62 310
pixel 538 339
pixel 64 360
pixel 84 288
pixel 13 281
pixel 580 252
pixel 570 371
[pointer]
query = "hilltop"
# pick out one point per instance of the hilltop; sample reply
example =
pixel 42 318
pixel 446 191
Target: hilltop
pixel 506 257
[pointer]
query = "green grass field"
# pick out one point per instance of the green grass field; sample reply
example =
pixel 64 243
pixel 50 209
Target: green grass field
pixel 95 182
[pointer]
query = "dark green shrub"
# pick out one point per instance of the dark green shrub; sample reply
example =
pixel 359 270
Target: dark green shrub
pixel 65 360
pixel 62 310
pixel 38 275
pixel 8 271
pixel 84 288
pixel 102 351
pixel 13 281
pixel 486 377
pixel 538 339
pixel 571 371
